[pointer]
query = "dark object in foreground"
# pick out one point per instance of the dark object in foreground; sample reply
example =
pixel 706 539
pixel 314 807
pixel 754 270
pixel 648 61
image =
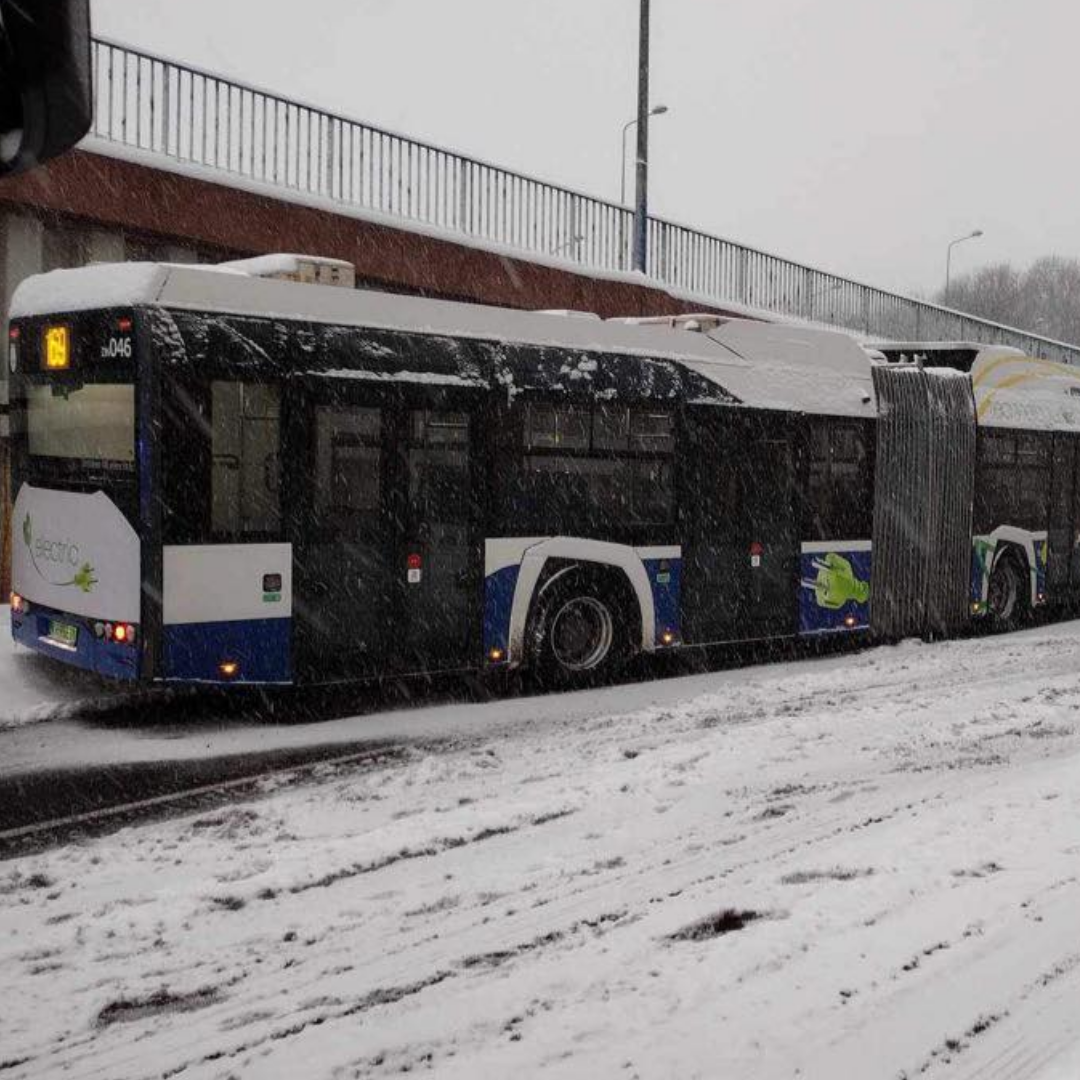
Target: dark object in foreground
pixel 46 102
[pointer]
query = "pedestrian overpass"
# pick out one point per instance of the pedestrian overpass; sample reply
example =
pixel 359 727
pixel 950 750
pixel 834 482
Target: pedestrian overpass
pixel 183 163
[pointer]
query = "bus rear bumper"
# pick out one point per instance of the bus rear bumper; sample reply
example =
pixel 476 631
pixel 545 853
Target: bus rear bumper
pixel 113 660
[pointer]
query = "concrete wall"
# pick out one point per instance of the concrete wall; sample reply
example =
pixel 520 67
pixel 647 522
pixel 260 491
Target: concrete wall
pixel 133 198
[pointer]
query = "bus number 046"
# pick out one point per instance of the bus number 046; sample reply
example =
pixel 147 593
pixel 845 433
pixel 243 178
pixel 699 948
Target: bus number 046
pixel 117 347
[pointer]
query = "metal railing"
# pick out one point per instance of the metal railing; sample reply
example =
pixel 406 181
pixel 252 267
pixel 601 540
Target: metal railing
pixel 150 103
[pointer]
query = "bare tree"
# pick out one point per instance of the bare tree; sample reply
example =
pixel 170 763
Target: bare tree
pixel 1043 299
pixel 991 292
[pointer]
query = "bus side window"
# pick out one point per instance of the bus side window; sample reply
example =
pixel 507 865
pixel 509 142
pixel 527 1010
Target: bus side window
pixel 439 467
pixel 599 470
pixel 995 482
pixel 1033 481
pixel 245 458
pixel 348 455
pixel 839 482
pixel 818 490
pixel 1061 510
pixel 562 427
pixel 652 431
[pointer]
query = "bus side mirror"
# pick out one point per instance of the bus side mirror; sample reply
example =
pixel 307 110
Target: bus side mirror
pixel 46 102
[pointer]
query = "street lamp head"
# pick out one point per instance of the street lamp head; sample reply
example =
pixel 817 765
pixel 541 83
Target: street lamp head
pixel 948 256
pixel 658 110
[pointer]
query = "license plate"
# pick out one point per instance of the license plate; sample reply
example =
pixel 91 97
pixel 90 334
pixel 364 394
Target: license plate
pixel 63 633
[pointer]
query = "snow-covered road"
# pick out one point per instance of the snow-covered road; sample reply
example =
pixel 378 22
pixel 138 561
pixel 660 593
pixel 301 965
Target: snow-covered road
pixel 864 866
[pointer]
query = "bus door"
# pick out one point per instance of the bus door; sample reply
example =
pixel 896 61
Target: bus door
pixel 740 573
pixel 439 570
pixel 770 537
pixel 344 537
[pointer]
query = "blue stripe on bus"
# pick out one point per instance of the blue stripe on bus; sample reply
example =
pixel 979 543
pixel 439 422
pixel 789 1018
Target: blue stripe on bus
pixel 262 648
pixel 108 658
pixel 498 603
pixel 665 579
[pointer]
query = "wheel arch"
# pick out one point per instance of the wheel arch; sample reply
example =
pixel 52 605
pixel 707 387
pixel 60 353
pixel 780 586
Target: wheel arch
pixel 548 562
pixel 1020 549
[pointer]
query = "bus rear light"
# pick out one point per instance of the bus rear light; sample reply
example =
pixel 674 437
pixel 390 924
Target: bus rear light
pixel 14 334
pixel 124 325
pixel 18 604
pixel 414 562
pixel 228 669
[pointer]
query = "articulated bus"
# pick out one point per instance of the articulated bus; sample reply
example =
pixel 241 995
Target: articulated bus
pixel 227 478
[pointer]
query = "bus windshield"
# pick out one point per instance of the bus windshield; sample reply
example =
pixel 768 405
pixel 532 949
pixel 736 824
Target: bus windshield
pixel 90 422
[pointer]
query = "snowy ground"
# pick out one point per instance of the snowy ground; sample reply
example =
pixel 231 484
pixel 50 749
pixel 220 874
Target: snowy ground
pixel 865 866
pixel 33 689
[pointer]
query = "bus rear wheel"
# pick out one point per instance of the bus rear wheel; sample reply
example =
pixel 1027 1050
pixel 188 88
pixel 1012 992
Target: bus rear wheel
pixel 579 634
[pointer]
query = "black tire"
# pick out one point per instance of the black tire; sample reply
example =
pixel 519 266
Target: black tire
pixel 580 630
pixel 1006 598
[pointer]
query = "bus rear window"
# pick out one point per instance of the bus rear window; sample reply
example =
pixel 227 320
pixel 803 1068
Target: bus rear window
pixel 94 422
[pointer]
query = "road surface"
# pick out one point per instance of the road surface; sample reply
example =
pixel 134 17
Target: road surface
pixel 866 865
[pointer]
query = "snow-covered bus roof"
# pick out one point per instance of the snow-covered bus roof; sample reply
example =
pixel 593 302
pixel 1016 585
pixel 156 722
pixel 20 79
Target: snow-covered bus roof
pixel 766 365
pixel 1017 391
pixel 1012 390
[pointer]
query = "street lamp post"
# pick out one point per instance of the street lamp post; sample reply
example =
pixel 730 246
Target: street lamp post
pixel 656 110
pixel 641 205
pixel 948 256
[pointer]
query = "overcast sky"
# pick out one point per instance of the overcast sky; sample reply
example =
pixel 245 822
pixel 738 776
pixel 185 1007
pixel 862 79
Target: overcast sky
pixel 856 135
